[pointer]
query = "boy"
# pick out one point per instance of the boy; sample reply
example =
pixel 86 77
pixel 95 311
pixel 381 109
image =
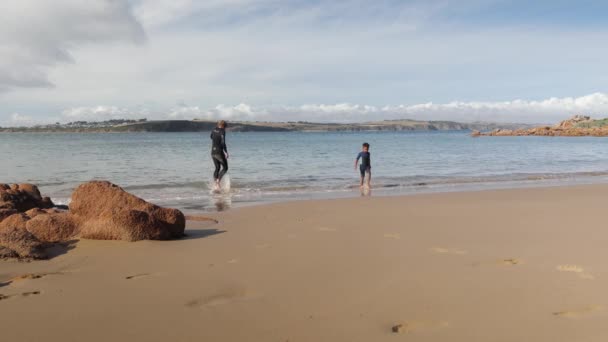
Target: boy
pixel 366 164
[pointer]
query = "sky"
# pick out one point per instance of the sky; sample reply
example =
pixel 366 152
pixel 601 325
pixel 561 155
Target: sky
pixel 316 60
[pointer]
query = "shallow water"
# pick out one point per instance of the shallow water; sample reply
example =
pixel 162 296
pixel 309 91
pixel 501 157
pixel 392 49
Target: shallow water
pixel 175 168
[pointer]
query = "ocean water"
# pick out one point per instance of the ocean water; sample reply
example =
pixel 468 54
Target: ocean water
pixel 175 169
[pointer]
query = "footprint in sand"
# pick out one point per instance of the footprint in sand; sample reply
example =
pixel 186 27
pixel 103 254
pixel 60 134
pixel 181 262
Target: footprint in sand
pixel 577 313
pixel 326 229
pixel 220 298
pixel 412 326
pixel 395 236
pixel 511 262
pixel 262 246
pixel 441 250
pixel 23 294
pixel 137 276
pixel 233 261
pixel 575 269
pixel 27 276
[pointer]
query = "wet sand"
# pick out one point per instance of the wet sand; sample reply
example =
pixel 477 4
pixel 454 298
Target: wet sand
pixel 508 265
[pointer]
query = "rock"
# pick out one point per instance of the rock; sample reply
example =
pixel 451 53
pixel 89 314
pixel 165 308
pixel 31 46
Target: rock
pixel 35 212
pixel 53 227
pixel 22 197
pixel 572 122
pixel 103 210
pixel 21 242
pixel 17 220
pixel 570 127
pixel 4 213
pixel 7 253
pixel 475 133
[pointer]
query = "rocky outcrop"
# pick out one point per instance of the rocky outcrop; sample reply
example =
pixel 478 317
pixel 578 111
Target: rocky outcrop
pixel 105 211
pixel 568 128
pixel 18 242
pixel 20 203
pixel 22 197
pixel 53 227
pixel 572 122
pixel 99 210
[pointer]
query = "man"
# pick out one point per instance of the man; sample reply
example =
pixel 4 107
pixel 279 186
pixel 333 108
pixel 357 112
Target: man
pixel 219 152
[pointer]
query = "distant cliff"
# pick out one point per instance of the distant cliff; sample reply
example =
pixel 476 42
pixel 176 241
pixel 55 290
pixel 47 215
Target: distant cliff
pixel 577 126
pixel 237 126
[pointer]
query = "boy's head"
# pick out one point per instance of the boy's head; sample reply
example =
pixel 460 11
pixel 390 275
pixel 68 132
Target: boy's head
pixel 365 147
pixel 222 124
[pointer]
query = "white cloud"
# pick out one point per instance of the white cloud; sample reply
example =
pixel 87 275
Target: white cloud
pixel 102 113
pixel 272 56
pixel 37 35
pixel 544 111
pixel 21 120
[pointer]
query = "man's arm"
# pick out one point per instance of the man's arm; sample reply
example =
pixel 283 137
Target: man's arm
pixel 357 160
pixel 224 147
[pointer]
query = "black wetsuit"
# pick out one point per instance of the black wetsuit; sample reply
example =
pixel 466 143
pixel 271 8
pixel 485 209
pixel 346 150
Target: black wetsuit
pixel 218 152
pixel 366 162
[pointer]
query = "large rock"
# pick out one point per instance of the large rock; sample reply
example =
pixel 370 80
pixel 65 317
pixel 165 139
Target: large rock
pixel 18 220
pixel 22 197
pixel 572 122
pixel 4 213
pixel 53 227
pixel 19 242
pixel 103 210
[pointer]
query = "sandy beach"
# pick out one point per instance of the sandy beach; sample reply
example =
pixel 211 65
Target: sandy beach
pixel 507 265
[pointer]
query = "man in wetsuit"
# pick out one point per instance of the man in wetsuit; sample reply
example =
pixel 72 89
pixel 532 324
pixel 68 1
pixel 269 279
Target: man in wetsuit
pixel 219 152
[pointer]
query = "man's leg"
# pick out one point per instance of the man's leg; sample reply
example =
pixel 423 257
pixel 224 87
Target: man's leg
pixel 217 165
pixel 224 163
pixel 369 177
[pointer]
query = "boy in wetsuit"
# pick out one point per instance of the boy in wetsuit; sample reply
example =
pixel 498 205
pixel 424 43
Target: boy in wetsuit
pixel 366 164
pixel 219 152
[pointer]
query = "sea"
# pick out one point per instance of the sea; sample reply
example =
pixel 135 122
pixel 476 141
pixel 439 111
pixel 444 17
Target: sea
pixel 175 169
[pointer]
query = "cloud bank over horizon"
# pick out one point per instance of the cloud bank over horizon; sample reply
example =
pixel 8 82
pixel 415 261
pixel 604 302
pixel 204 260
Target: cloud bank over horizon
pixel 544 111
pixel 322 60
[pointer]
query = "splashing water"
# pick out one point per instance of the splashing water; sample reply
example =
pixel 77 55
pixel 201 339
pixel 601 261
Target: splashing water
pixel 225 183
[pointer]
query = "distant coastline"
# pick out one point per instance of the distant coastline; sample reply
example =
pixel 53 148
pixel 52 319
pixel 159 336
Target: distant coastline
pixel 576 126
pixel 143 125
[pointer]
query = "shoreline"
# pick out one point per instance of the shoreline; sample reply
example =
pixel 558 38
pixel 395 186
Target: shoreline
pixel 390 192
pixel 460 266
pixel 388 188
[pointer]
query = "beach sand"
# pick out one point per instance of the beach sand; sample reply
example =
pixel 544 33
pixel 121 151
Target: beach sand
pixel 507 265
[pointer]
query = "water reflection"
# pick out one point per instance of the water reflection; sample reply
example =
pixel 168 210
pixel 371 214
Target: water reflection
pixel 222 202
pixel 366 191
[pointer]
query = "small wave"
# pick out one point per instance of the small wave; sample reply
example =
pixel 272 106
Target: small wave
pixel 198 184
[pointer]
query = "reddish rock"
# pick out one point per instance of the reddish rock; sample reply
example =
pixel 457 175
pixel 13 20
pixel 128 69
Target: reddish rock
pixel 53 227
pixel 35 212
pixel 4 213
pixel 103 210
pixel 568 128
pixel 7 253
pixel 572 122
pixel 21 242
pixel 22 197
pixel 17 220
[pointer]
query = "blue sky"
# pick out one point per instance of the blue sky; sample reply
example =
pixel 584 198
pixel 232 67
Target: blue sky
pixel 526 61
